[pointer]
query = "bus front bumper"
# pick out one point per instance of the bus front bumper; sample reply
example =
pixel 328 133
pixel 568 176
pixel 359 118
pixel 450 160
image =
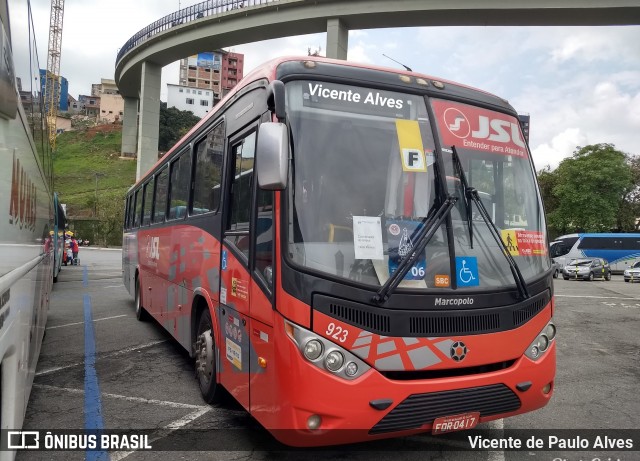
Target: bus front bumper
pixel 351 411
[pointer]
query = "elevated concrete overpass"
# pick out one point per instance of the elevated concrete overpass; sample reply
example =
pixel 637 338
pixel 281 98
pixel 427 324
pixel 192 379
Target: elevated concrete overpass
pixel 215 24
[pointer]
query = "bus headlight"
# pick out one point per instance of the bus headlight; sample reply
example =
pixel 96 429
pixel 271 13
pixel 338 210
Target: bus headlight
pixel 325 354
pixel 542 342
pixel 334 361
pixel 550 331
pixel 313 349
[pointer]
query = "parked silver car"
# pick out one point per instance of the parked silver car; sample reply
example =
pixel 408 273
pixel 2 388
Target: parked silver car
pixel 633 273
pixel 587 269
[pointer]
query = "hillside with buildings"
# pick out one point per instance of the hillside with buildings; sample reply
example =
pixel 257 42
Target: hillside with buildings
pixel 203 79
pixel 91 175
pixel 91 179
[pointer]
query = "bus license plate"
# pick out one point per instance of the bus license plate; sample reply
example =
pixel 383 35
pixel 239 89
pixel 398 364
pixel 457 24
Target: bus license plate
pixel 455 423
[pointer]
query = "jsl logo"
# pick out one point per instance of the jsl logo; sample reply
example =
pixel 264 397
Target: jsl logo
pixel 153 248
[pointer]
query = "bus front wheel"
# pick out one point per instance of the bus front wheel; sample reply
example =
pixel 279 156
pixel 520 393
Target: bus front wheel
pixel 206 359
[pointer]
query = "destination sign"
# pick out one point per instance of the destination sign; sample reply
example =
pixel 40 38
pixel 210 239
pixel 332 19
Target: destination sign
pixel 359 100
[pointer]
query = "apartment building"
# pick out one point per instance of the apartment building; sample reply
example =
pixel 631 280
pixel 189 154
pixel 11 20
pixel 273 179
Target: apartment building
pixel 199 101
pixel 218 71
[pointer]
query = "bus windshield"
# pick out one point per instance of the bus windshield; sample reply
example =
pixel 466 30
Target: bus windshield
pixel 363 182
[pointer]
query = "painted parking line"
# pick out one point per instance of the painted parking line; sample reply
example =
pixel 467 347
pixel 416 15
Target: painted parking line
pixel 82 323
pixel 198 411
pixel 47 371
pixel 93 421
pixel 164 403
pixel 166 430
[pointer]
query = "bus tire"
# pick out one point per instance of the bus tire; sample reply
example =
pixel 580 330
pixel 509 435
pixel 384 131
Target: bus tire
pixel 205 363
pixel 141 313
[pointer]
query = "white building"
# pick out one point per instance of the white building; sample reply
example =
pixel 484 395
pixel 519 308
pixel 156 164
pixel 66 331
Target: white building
pixel 199 101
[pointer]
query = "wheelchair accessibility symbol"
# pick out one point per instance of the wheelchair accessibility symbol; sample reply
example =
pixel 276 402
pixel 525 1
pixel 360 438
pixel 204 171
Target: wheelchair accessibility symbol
pixel 467 271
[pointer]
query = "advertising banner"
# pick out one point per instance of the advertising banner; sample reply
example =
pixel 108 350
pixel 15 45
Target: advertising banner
pixel 480 129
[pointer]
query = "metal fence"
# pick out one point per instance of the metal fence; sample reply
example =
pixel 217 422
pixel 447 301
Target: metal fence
pixel 191 13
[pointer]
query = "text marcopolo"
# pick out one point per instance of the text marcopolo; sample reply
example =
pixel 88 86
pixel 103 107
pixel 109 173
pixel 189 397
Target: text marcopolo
pixel 453 301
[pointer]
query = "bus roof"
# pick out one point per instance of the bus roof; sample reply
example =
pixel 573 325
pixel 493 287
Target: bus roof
pixel 269 69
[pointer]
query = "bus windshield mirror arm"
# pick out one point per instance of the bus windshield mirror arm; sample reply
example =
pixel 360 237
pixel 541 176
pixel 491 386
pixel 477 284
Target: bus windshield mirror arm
pixel 472 195
pixel 430 225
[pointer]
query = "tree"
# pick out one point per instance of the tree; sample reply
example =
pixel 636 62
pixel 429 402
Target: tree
pixel 174 124
pixel 547 180
pixel 630 203
pixel 111 218
pixel 590 187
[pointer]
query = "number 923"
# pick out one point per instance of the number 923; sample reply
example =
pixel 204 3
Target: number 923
pixel 337 332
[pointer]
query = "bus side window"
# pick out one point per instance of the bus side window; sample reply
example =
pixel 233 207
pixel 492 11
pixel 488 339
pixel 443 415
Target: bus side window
pixel 148 201
pixel 208 172
pixel 138 209
pixel 558 250
pixel 160 200
pixel 179 186
pixel 243 155
pixel 127 201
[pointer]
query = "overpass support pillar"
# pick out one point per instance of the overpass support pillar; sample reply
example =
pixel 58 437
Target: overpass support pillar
pixel 337 39
pixel 130 127
pixel 149 120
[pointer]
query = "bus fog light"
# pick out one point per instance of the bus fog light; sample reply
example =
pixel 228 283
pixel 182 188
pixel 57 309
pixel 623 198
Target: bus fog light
pixel 543 342
pixel 351 369
pixel 314 421
pixel 313 349
pixel 550 331
pixel 546 389
pixel 334 361
pixel 534 351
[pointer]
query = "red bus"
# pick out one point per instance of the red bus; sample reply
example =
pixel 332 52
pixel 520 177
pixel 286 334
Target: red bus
pixel 368 276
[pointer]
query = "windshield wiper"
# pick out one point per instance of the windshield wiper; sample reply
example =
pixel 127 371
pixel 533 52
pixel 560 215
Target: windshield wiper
pixel 429 227
pixel 471 195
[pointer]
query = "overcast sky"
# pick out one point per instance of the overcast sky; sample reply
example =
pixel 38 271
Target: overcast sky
pixel 581 85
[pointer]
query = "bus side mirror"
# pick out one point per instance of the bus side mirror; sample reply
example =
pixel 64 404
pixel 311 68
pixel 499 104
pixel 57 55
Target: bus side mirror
pixel 276 99
pixel 273 156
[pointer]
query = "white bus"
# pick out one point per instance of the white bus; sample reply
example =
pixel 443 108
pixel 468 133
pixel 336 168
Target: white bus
pixel 620 250
pixel 26 207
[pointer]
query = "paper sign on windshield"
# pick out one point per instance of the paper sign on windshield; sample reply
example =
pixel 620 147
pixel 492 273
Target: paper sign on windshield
pixel 401 235
pixel 524 243
pixel 367 237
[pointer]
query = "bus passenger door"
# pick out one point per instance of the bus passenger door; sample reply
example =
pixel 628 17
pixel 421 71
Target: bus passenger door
pixel 235 277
